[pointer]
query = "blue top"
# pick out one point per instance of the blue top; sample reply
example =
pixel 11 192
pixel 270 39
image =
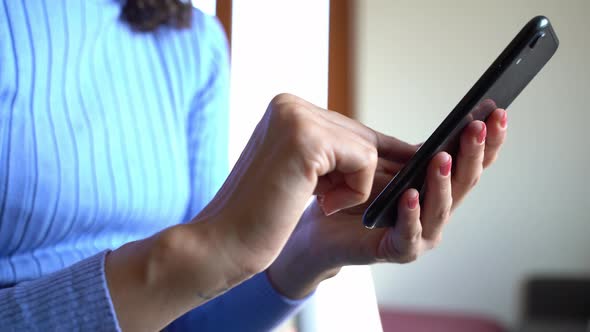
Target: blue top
pixel 107 136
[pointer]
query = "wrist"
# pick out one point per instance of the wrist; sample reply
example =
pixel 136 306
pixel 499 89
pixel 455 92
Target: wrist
pixel 138 279
pixel 296 273
pixel 196 260
pixel 295 286
pixel 158 279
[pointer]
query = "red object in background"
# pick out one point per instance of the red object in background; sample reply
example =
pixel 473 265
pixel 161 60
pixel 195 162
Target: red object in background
pixel 416 321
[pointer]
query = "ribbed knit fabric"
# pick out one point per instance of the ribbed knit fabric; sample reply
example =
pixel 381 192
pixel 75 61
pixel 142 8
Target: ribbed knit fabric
pixel 54 302
pixel 106 136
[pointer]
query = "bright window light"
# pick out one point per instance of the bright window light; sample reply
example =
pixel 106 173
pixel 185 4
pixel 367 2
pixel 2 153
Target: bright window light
pixel 206 6
pixel 278 46
pixel 282 46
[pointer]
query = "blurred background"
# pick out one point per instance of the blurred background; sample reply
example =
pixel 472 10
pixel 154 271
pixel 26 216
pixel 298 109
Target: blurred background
pixel 528 218
pixel 516 256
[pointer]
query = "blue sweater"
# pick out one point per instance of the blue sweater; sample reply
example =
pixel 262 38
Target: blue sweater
pixel 107 136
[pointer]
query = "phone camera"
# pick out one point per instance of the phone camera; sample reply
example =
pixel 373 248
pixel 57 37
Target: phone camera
pixel 536 39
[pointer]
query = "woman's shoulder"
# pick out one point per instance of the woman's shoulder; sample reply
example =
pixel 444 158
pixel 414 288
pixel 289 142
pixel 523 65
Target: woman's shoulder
pixel 208 29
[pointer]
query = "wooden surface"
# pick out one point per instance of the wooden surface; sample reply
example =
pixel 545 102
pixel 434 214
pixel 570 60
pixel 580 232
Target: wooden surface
pixel 341 94
pixel 224 13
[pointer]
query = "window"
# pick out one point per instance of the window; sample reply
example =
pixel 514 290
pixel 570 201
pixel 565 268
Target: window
pixel 283 46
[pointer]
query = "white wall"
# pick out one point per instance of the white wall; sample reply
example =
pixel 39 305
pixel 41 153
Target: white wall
pixel 530 213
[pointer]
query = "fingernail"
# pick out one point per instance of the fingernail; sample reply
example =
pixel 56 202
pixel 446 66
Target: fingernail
pixel 320 199
pixel 413 202
pixel 504 120
pixel 445 169
pixel 481 137
pixel 329 213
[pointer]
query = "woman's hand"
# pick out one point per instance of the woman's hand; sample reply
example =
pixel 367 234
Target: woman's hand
pixel 322 244
pixel 296 150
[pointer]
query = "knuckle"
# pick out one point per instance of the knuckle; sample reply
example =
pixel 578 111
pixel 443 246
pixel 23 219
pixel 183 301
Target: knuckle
pixel 494 142
pixel 402 252
pixel 411 238
pixel 372 156
pixel 436 241
pixel 489 160
pixel 374 137
pixel 444 214
pixel 446 189
pixel 283 98
pixel 469 182
pixel 409 257
pixel 291 121
pixel 285 112
pixel 370 166
pixel 468 148
pixel 364 195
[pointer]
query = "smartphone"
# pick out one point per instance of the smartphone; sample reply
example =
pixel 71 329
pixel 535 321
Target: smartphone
pixel 508 75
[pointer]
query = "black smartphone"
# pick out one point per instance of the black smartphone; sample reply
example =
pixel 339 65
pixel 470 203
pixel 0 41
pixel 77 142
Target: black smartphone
pixel 508 75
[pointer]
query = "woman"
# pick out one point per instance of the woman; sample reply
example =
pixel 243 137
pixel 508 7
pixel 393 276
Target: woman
pixel 113 123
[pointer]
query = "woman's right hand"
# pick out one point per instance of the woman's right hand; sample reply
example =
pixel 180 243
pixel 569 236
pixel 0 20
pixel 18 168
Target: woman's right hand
pixel 297 150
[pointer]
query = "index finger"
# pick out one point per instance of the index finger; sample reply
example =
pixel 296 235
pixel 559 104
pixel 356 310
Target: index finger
pixel 388 147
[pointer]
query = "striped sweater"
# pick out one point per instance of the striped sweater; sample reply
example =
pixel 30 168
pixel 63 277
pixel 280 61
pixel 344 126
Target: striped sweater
pixel 107 136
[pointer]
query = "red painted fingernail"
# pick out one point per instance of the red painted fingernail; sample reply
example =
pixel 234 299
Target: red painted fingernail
pixel 504 120
pixel 482 133
pixel 413 202
pixel 327 213
pixel 320 199
pixel 445 169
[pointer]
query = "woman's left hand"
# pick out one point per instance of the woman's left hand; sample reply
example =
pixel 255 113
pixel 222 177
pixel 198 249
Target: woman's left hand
pixel 321 244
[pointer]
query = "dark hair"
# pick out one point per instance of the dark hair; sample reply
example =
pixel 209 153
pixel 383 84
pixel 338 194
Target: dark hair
pixel 148 15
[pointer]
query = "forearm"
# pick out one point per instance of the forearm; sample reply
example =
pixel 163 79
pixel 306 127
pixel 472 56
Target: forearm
pixel 156 280
pixel 142 286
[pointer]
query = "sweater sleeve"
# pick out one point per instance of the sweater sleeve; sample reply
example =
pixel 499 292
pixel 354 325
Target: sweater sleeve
pixel 75 298
pixel 252 306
